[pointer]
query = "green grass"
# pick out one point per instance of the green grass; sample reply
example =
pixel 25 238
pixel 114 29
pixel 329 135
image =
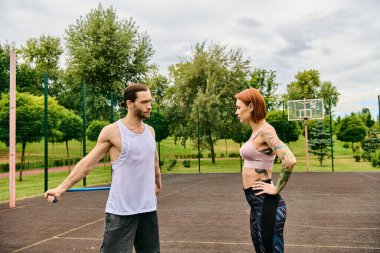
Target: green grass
pixel 33 185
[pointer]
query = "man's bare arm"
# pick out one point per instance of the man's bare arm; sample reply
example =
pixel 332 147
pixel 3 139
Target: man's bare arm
pixel 83 167
pixel 157 167
pixel 158 174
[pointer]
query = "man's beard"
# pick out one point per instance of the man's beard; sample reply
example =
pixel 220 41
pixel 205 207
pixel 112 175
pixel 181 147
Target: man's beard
pixel 141 115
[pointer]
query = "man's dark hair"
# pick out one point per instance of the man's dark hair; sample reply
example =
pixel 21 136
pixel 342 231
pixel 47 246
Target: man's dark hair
pixel 130 92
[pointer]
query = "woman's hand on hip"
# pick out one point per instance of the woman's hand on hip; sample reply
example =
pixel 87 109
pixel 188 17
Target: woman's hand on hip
pixel 268 188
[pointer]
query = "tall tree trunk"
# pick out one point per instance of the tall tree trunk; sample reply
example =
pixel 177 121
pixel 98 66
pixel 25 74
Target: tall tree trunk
pixel 211 145
pixel 22 161
pixel 68 155
pixel 225 142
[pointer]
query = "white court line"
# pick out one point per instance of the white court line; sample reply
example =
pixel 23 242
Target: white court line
pixel 57 236
pixel 239 243
pixel 286 245
pixel 330 246
pixel 375 178
pixel 84 238
pixel 319 227
pixel 186 187
pixel 17 207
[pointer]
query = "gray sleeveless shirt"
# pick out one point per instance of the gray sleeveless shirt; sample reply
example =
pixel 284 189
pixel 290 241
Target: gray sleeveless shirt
pixel 133 175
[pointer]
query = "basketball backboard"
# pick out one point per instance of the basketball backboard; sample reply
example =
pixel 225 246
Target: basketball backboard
pixel 306 109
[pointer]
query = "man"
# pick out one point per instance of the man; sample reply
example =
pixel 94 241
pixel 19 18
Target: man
pixel 131 216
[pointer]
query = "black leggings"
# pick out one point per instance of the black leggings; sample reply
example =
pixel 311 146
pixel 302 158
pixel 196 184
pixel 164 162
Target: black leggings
pixel 267 220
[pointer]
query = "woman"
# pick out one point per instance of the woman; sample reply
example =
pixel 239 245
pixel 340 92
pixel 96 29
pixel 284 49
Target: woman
pixel 268 210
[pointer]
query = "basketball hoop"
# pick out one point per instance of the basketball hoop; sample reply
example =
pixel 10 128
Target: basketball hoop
pixel 306 109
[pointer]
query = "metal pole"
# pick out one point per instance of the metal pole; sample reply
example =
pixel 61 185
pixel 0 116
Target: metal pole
pixel 378 116
pixel 241 159
pixel 306 136
pixel 84 123
pixel 331 138
pixel 199 152
pixel 159 135
pixel 307 146
pixel 46 156
pixel 112 102
pixel 283 119
pixel 12 130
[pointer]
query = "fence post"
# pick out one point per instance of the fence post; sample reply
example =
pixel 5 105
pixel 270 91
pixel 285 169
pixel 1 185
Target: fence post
pixel 12 129
pixel 46 134
pixel 199 152
pixel 331 138
pixel 84 123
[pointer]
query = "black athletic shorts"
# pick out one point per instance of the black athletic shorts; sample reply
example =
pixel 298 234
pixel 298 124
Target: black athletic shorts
pixel 122 232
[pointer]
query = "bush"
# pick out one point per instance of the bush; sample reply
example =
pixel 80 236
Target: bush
pixel 233 155
pixel 162 162
pixel 58 162
pixel 376 159
pixel 222 155
pixel 4 167
pixel 172 163
pixel 346 145
pixel 357 157
pixel 186 163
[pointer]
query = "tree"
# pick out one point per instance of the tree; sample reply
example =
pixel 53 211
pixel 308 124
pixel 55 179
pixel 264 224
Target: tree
pixel 351 129
pixel 71 129
pixel 203 87
pixel 308 85
pixel 94 129
pixel 366 117
pixel 311 124
pixel 30 120
pixel 265 82
pixel 28 79
pixel 158 86
pixel 319 141
pixel 329 94
pixel 371 144
pixel 42 55
pixel 286 130
pixel 4 66
pixel 107 54
pixel 160 125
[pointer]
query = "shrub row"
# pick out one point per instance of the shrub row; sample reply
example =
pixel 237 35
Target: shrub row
pixel 194 156
pixel 4 167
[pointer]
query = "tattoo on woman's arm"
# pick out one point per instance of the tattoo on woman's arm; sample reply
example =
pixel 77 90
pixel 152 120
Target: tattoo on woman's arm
pixel 282 180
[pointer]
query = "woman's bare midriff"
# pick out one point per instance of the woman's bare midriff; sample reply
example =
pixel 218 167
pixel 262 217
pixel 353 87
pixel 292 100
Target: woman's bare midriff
pixel 250 176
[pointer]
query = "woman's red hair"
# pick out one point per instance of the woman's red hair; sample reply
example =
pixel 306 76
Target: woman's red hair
pixel 253 96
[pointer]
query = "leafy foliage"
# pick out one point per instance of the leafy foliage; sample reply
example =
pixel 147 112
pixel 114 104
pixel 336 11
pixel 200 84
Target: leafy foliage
pixel 319 141
pixel 308 85
pixel 265 82
pixel 351 129
pixel 95 128
pixel 160 124
pixel 371 145
pixel 366 117
pixel 286 130
pixel 204 87
pixel 106 53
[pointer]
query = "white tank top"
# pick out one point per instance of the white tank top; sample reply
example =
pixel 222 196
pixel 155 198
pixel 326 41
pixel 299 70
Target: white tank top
pixel 133 175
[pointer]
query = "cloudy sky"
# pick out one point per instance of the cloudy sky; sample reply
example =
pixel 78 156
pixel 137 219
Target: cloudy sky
pixel 340 39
